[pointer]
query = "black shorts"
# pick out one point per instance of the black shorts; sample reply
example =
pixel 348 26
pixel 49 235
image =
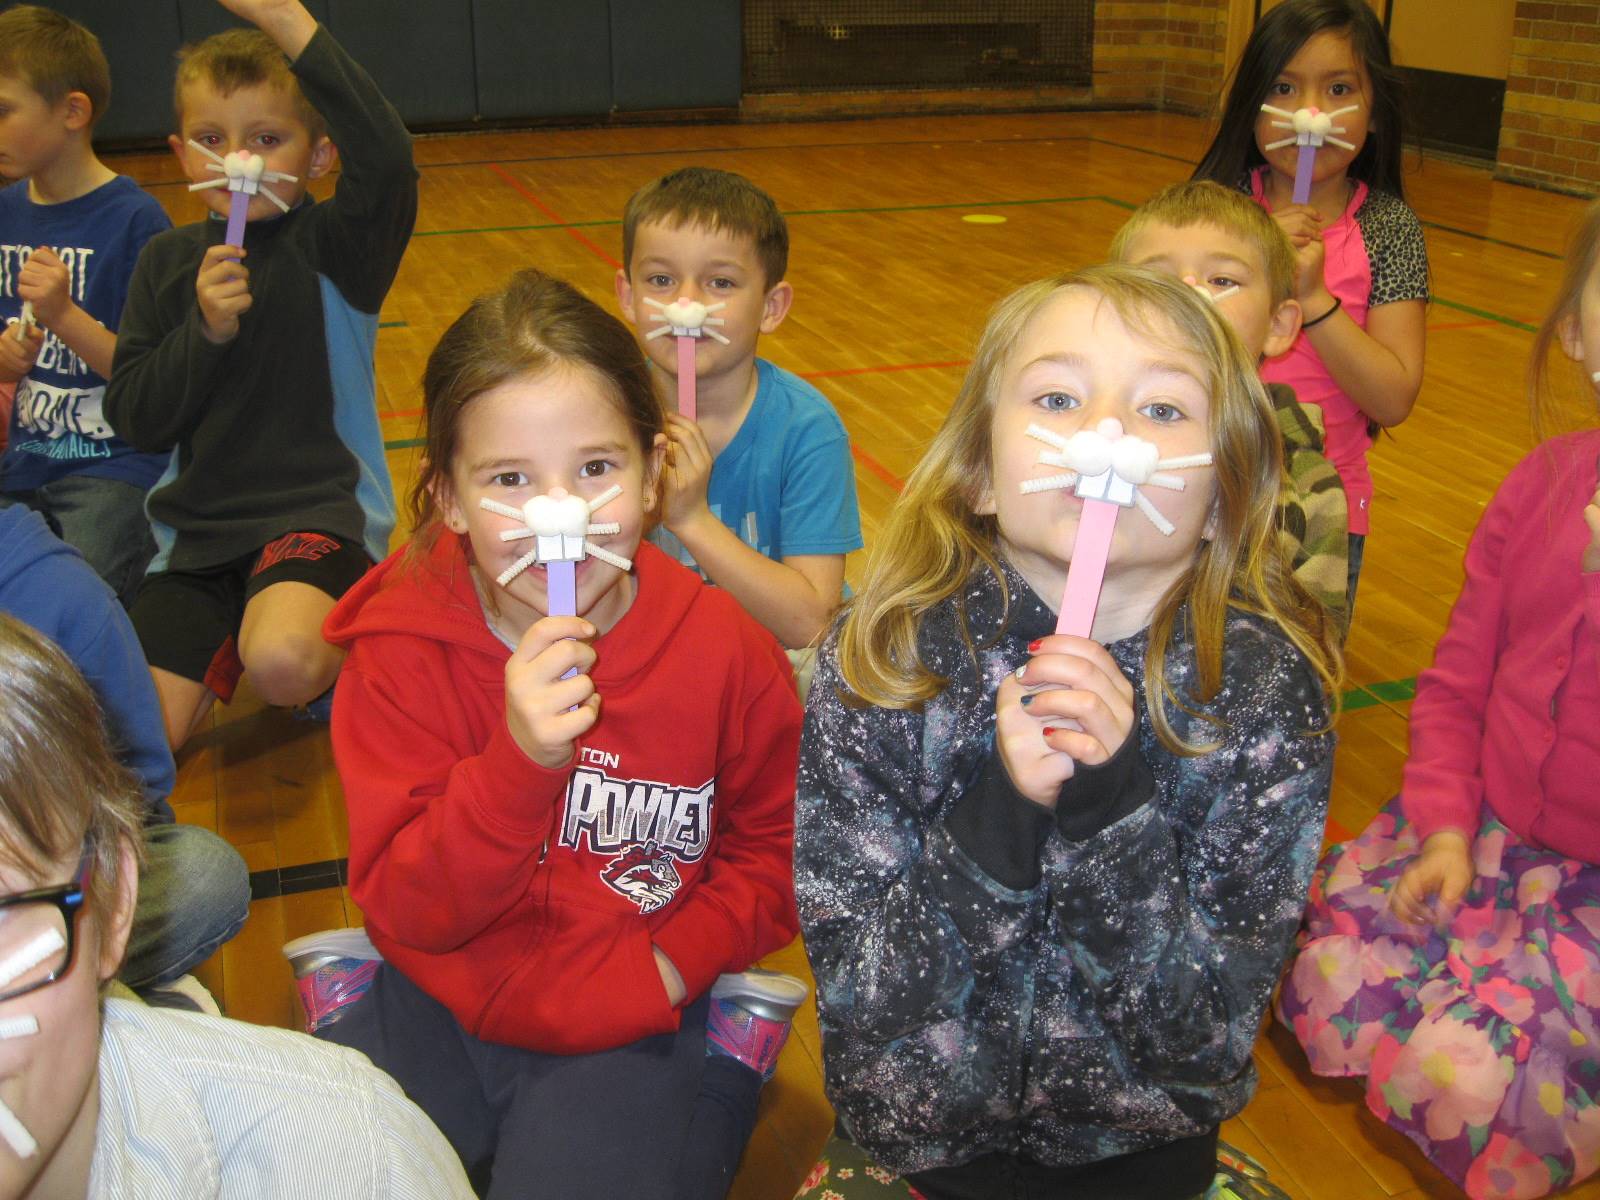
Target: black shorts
pixel 188 621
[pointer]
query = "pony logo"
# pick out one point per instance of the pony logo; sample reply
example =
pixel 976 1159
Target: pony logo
pixel 644 874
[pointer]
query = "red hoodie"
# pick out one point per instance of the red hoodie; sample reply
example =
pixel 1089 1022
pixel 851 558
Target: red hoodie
pixel 526 900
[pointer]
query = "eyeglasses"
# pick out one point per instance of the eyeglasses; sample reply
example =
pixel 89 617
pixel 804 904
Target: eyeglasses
pixel 37 931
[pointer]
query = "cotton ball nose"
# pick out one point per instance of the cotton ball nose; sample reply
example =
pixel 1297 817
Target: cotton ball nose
pixel 685 314
pixel 557 514
pixel 1134 459
pixel 1088 451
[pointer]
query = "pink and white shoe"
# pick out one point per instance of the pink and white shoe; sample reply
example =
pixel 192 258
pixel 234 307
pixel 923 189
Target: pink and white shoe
pixel 750 1015
pixel 331 969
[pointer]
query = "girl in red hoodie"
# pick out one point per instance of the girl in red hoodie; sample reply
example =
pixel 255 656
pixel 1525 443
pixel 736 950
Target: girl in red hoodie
pixel 563 829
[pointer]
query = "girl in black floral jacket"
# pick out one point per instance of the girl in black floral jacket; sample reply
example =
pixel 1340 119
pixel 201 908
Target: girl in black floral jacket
pixel 1047 883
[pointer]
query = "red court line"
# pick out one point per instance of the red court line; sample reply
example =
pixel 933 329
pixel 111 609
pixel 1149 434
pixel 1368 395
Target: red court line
pixel 877 468
pixel 521 190
pixel 880 370
pixel 1460 325
pixel 1337 832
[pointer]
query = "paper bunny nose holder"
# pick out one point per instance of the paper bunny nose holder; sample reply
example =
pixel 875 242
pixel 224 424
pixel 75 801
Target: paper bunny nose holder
pixel 1105 468
pixel 1310 129
pixel 688 321
pixel 242 173
pixel 559 525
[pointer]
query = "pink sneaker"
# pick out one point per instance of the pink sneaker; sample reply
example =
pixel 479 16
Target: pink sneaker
pixel 331 969
pixel 749 1017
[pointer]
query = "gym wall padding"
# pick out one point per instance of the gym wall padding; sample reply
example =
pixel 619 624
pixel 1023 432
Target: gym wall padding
pixel 450 63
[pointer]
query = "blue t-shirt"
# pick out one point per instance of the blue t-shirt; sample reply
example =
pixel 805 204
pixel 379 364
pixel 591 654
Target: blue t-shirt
pixel 57 424
pixel 785 483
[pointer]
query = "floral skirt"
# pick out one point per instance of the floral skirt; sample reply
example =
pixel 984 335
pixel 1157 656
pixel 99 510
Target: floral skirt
pixel 1479 1041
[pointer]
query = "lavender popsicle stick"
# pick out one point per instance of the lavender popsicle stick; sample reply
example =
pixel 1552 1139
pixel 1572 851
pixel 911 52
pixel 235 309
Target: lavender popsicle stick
pixel 1303 168
pixel 238 206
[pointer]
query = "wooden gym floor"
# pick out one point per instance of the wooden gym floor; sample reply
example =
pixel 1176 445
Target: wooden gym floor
pixel 904 232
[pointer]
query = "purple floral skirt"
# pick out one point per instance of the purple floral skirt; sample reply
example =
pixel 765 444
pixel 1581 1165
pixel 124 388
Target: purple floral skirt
pixel 1479 1041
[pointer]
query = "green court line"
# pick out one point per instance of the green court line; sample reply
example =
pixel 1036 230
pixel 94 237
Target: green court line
pixel 1390 691
pixel 391 324
pixel 405 443
pixel 1486 314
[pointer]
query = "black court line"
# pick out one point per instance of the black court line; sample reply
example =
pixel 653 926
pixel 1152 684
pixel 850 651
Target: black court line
pixel 309 877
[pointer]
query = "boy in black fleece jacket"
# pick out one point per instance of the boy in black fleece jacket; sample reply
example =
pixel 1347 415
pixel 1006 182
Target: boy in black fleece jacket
pixel 252 365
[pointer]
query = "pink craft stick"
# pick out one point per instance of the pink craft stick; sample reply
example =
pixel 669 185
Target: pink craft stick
pixel 238 205
pixel 1304 166
pixel 686 376
pixel 1087 569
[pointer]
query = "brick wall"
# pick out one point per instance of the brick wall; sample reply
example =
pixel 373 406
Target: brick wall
pixel 1550 131
pixel 1160 53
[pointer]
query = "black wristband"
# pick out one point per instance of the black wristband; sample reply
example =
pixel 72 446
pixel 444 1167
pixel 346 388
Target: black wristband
pixel 1337 305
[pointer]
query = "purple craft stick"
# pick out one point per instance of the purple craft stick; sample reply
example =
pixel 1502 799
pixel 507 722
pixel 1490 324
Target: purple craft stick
pixel 561 589
pixel 238 206
pixel 1303 168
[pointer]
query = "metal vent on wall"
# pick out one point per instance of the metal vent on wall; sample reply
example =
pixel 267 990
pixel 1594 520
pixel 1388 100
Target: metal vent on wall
pixel 840 45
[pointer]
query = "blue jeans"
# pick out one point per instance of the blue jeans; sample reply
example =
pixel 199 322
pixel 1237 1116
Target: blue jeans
pixel 104 520
pixel 194 894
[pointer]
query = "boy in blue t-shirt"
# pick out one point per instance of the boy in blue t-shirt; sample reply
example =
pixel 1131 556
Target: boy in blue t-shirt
pixel 70 233
pixel 758 493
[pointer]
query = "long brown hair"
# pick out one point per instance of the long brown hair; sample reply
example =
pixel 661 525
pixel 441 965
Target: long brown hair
pixel 1550 411
pixel 60 784
pixel 528 326
pixel 934 539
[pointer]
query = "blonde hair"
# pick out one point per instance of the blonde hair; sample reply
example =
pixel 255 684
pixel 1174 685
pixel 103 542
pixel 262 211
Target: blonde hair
pixel 720 201
pixel 934 539
pixel 54 55
pixel 1546 410
pixel 1204 202
pixel 240 58
pixel 61 787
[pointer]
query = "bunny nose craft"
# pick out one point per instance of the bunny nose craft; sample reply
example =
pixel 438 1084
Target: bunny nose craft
pixel 242 173
pixel 1309 128
pixel 1207 292
pixel 559 524
pixel 687 320
pixel 1106 467
pixel 243 165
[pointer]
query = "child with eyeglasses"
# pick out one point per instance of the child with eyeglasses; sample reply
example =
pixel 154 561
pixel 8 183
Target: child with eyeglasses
pixel 104 1097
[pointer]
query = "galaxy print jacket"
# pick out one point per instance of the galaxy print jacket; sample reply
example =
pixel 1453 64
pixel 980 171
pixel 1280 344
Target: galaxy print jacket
pixel 1067 985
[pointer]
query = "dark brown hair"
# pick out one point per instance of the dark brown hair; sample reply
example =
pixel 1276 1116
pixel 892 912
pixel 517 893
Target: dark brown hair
pixel 54 55
pixel 528 326
pixel 60 784
pixel 239 58
pixel 718 200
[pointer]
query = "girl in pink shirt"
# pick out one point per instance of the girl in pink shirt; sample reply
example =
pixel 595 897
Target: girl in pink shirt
pixel 1451 953
pixel 1362 277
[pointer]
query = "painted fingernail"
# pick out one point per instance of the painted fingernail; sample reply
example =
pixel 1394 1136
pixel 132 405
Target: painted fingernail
pixel 1027 700
pixel 1020 670
pixel 1034 645
pixel 1049 729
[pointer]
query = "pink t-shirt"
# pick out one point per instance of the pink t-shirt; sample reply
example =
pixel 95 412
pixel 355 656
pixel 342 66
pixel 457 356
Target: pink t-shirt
pixel 1374 255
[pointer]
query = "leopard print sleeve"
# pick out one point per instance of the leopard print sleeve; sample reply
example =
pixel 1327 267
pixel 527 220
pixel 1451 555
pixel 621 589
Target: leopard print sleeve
pixel 1395 248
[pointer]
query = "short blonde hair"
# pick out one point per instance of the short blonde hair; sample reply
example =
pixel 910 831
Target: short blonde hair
pixel 54 55
pixel 239 58
pixel 61 787
pixel 1202 202
pixel 935 539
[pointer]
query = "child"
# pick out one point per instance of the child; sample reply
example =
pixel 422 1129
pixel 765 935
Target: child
pixel 194 891
pixel 70 232
pixel 1214 237
pixel 1362 266
pixel 1047 883
pixel 108 1098
pixel 277 498
pixel 563 829
pixel 758 493
pixel 1451 953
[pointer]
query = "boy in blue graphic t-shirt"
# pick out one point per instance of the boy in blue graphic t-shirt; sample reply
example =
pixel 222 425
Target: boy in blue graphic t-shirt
pixel 70 233
pixel 758 493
